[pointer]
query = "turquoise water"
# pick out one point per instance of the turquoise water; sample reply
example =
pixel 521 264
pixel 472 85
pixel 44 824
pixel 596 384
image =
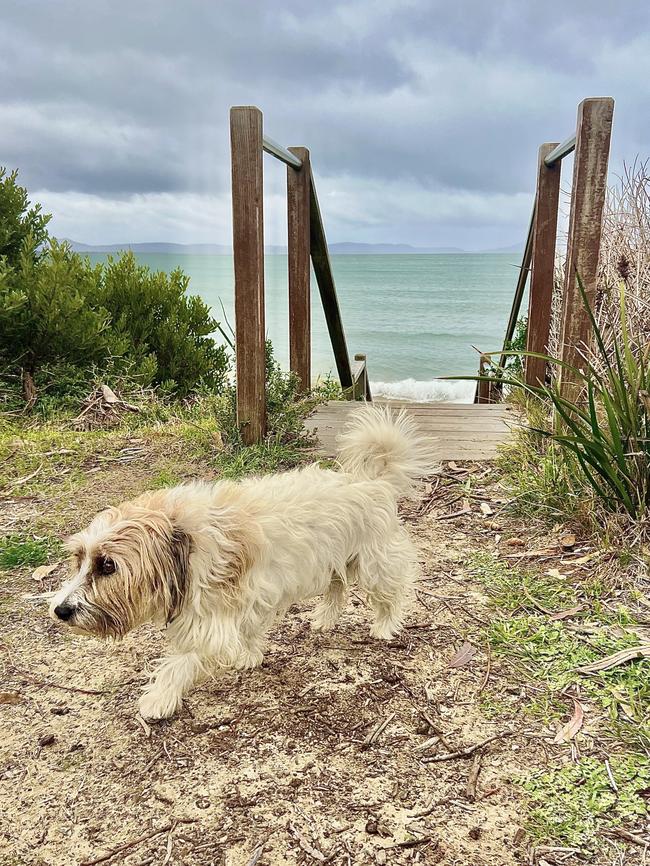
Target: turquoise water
pixel 416 317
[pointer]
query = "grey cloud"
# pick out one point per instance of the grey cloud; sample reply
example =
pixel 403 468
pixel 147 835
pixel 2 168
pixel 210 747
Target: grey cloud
pixel 116 98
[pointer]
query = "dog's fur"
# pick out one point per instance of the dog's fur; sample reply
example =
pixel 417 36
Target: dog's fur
pixel 217 563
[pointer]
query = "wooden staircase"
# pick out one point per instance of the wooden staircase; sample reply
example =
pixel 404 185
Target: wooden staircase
pixel 458 431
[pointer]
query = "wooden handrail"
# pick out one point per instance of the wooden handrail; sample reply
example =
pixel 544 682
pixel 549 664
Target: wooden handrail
pixel 320 259
pixel 306 240
pixel 591 145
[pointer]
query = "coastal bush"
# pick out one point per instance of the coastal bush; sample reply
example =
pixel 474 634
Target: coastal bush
pixel 60 315
pixel 607 429
pixel 49 313
pixel 23 226
pixel 163 329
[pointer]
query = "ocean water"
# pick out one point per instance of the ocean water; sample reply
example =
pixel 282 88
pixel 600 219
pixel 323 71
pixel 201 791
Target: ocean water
pixel 415 316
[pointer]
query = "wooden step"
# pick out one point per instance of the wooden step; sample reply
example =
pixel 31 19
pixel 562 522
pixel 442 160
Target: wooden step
pixel 458 431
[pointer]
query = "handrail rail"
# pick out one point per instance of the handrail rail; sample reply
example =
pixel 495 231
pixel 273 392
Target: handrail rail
pixel 521 287
pixel 591 144
pixel 561 151
pixel 274 149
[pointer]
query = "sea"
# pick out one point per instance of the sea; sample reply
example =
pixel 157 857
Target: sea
pixel 419 318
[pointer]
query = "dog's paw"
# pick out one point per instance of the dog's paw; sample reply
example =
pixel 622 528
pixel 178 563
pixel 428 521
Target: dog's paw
pixel 155 705
pixel 249 659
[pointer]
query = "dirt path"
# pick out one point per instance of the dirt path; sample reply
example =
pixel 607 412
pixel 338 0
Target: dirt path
pixel 322 755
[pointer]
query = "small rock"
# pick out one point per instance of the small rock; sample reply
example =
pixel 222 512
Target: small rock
pixel 164 793
pixel 46 740
pixel 202 803
pixel 474 832
pixel 59 711
pixel 372 826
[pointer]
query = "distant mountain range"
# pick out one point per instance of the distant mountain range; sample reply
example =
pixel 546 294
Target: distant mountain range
pixel 222 249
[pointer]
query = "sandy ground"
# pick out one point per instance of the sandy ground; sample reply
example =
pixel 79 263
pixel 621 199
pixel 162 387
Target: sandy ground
pixel 319 756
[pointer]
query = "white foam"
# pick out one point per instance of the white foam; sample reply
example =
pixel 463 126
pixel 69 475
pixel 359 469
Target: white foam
pixel 432 391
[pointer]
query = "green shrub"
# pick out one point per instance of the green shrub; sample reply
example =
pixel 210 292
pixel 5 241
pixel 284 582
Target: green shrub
pixel 162 326
pixel 21 226
pixel 49 312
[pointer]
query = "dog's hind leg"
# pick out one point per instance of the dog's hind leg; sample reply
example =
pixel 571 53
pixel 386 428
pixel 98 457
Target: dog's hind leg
pixel 388 576
pixel 329 609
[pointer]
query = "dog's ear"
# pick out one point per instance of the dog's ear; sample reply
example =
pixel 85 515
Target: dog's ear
pixel 180 549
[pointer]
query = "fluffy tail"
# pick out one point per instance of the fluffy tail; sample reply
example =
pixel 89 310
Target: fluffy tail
pixel 378 444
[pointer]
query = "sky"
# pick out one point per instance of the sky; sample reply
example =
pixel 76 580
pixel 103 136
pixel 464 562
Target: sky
pixel 423 119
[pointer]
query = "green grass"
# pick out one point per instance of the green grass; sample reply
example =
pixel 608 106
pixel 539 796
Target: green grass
pixel 575 804
pixel 550 651
pixel 18 551
pixel 572 805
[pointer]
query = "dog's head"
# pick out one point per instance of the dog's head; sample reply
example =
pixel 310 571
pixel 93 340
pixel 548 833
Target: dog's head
pixel 130 566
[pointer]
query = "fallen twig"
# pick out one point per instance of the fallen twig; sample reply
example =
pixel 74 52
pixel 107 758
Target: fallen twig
pixel 472 779
pixel 631 837
pixel 377 731
pixel 48 684
pixel 125 846
pixel 466 753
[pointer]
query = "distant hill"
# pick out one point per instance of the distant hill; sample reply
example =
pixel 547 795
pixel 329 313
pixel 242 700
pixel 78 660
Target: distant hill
pixel 515 248
pixel 346 248
pixel 374 249
pixel 179 249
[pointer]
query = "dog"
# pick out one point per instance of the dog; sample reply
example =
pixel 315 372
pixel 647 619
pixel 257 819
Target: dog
pixel 218 563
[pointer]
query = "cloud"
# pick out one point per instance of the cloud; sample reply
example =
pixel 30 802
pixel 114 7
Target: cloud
pixel 423 118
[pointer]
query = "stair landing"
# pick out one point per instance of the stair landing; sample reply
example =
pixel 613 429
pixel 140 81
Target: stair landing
pixel 459 431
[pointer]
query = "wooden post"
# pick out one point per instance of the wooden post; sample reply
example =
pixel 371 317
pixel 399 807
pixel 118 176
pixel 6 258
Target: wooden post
pixel 298 185
pixel 248 252
pixel 543 264
pixel 593 136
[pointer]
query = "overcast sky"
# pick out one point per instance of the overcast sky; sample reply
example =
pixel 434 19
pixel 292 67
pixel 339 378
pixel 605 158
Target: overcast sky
pixel 423 118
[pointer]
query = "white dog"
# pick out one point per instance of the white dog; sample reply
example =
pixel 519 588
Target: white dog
pixel 219 562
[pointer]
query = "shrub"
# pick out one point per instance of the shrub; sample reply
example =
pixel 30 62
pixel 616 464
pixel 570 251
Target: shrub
pixel 609 430
pixel 60 313
pixel 163 326
pixel 21 227
pixel 49 313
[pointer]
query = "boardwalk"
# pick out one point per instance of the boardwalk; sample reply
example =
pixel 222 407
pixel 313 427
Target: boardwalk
pixel 459 431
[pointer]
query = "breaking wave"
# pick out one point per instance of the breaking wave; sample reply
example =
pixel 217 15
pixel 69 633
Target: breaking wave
pixel 432 391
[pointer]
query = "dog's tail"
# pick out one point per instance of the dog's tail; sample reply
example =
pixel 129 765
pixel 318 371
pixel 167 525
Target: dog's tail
pixel 378 444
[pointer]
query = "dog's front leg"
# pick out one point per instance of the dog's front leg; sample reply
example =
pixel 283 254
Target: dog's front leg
pixel 174 676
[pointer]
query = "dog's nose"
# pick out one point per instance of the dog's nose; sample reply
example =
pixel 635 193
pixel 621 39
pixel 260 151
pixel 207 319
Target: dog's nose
pixel 64 611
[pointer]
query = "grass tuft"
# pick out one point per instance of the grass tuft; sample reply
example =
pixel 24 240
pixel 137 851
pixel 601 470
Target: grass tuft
pixel 18 551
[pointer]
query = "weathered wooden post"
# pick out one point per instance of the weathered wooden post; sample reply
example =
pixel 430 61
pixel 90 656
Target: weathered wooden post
pixel 248 251
pixel 543 264
pixel 298 194
pixel 593 135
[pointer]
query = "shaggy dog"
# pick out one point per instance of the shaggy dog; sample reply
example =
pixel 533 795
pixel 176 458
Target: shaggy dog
pixel 218 563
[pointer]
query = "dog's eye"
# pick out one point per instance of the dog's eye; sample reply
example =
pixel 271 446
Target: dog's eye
pixel 105 565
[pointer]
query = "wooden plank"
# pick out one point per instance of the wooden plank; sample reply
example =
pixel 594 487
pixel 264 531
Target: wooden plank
pixel 543 264
pixel 593 135
pixel 475 434
pixel 323 271
pixel 248 253
pixel 298 183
